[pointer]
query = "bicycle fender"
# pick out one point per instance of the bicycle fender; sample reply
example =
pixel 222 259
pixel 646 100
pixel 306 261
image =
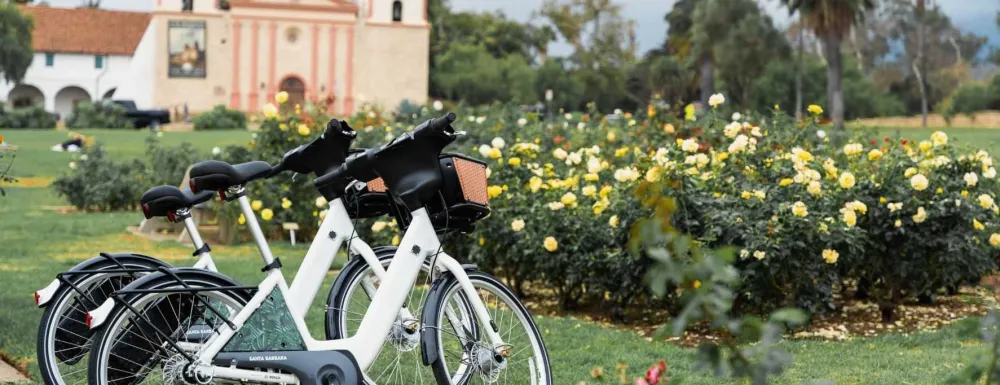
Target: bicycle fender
pixel 44 295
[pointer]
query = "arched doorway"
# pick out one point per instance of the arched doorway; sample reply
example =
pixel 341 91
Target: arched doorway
pixel 69 97
pixel 24 95
pixel 109 94
pixel 295 88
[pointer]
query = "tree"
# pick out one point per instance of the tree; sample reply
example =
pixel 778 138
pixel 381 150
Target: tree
pixel 16 51
pixel 831 20
pixel 742 44
pixel 92 4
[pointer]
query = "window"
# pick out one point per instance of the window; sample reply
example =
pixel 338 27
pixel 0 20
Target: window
pixel 397 11
pixel 50 59
pixel 187 5
pixel 98 61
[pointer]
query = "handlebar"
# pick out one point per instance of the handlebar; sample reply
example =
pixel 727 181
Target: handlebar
pixel 359 166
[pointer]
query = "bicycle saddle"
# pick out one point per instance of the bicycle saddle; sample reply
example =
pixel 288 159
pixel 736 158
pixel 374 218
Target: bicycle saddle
pixel 161 200
pixel 217 175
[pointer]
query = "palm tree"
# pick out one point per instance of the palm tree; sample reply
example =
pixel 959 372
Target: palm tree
pixel 831 20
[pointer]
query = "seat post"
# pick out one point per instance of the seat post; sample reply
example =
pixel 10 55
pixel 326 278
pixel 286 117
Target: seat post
pixel 248 214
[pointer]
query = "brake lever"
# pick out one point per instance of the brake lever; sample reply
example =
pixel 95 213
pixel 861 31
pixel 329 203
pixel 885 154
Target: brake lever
pixel 458 133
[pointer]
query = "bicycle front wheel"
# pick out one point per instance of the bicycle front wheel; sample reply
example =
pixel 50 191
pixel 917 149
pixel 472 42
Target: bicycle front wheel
pixel 460 354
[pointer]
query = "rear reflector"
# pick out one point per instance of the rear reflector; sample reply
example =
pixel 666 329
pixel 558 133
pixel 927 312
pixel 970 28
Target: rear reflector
pixel 37 298
pixel 88 320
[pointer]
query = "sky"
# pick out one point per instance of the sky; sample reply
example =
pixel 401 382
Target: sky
pixel 971 15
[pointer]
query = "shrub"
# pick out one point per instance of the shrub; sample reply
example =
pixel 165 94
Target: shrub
pixel 96 182
pixel 98 115
pixel 220 118
pixel 27 117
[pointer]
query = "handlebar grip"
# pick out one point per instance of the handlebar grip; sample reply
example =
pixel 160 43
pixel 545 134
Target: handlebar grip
pixel 440 124
pixel 330 177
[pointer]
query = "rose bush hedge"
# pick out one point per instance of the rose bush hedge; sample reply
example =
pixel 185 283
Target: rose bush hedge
pixel 810 215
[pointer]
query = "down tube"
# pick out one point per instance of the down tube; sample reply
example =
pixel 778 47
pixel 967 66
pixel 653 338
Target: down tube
pixel 418 242
pixel 335 229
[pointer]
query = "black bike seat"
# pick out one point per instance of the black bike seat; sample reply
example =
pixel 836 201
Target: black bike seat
pixel 161 200
pixel 217 175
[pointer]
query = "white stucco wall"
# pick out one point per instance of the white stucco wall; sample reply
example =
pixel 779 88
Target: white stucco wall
pixel 137 80
pixel 381 11
pixel 70 70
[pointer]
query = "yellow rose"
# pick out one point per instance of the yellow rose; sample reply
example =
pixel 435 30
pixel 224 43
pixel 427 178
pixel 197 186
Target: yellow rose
pixel 515 161
pixel 611 136
pixel 556 206
pixel 696 284
pixel 830 256
pixel 815 188
pixel 517 225
pixel 303 130
pixel 785 182
pixel 919 182
pixel 910 172
pixel 589 190
pixel 920 216
pixel 283 127
pixel 241 220
pixel 270 111
pixel 874 155
pixel 600 206
pixel 285 203
pixel 281 97
pixel 925 145
pixel 939 138
pixel 494 191
pixel 266 214
pixel 986 201
pixel 849 217
pixel 689 112
pixel 799 209
pixel 605 191
pixel 378 226
pixel 395 240
pixel 978 225
pixel 534 183
pixel 550 244
pixel 668 128
pixel 495 153
pixel 746 195
pixel 568 199
pixel 613 222
pixel 256 205
pixel 654 174
pixel 995 240
pixel 815 109
pixel 591 177
pixel 847 180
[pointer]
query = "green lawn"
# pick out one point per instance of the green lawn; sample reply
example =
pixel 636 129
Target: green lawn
pixel 36 243
pixel 984 138
pixel 36 159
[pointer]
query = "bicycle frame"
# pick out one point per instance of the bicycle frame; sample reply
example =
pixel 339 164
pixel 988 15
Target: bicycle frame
pixel 418 243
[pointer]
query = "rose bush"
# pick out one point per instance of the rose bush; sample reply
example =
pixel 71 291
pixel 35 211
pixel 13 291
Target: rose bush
pixel 810 215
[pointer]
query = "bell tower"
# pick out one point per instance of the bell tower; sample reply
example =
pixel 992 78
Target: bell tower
pixel 408 12
pixel 395 35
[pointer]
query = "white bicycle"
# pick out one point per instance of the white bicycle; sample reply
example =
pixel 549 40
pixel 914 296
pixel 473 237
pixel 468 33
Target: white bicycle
pixel 473 329
pixel 64 337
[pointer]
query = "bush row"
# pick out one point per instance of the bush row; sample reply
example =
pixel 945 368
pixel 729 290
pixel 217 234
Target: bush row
pixel 810 213
pixel 98 115
pixel 220 118
pixel 26 117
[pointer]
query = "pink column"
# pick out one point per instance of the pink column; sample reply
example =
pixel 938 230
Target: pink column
pixel 349 88
pixel 314 81
pixel 272 88
pixel 332 108
pixel 234 101
pixel 254 56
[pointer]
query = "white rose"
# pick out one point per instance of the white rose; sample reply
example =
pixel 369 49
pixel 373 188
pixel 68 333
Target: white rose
pixel 568 116
pixel 438 106
pixel 574 158
pixel 560 154
pixel 480 119
pixel 971 179
pixel 216 150
pixel 521 122
pixel 990 173
pixel 498 142
pixel 821 134
pixel 484 150
pixel 736 116
pixel 716 100
pixel 581 125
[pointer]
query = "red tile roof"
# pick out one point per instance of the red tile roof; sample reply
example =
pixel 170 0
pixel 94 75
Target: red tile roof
pixel 87 31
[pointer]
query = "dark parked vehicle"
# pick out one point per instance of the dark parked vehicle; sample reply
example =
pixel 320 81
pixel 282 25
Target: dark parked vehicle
pixel 144 118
